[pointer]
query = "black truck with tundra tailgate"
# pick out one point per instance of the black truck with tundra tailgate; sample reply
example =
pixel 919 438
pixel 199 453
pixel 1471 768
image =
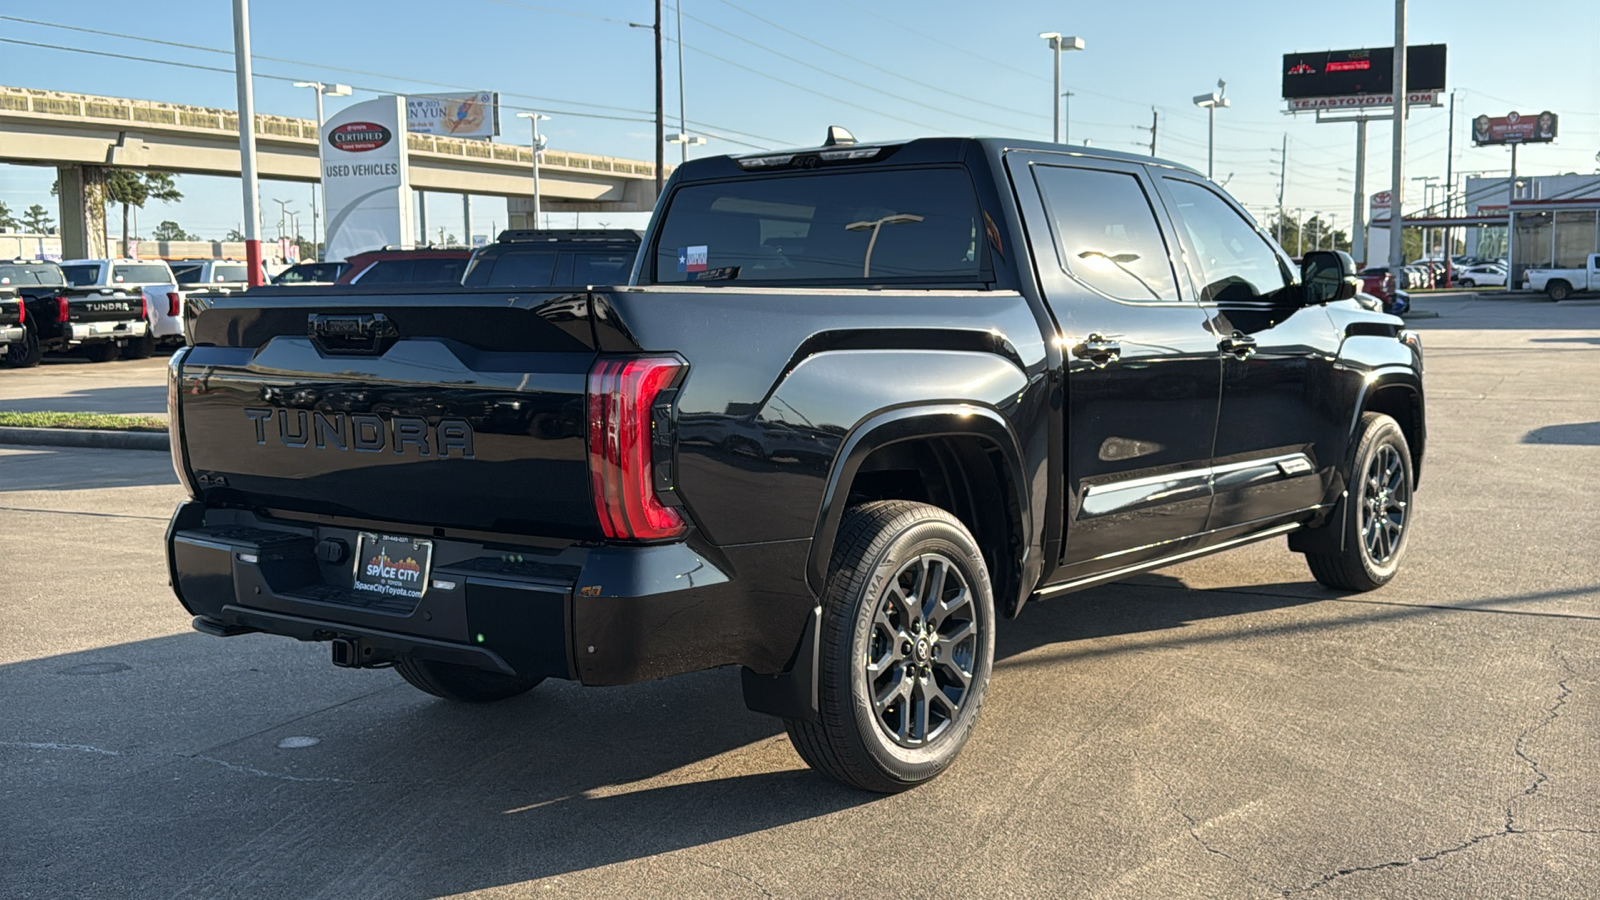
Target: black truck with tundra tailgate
pixel 856 404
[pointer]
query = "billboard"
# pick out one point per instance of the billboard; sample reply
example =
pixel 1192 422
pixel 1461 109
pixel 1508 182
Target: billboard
pixel 366 177
pixel 1514 128
pixel 1348 73
pixel 474 114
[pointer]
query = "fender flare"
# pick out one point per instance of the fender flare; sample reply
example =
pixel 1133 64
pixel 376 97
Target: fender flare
pixel 908 423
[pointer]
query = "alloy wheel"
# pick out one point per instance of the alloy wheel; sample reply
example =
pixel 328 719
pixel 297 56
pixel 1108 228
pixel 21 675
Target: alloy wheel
pixel 1385 502
pixel 922 650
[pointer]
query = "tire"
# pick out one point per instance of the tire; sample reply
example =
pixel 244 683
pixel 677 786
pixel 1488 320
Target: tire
pixel 102 351
pixel 139 348
pixel 463 684
pixel 1558 290
pixel 1378 510
pixel 1466 282
pixel 886 550
pixel 25 354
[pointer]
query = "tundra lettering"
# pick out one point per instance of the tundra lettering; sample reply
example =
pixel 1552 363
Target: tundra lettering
pixel 298 428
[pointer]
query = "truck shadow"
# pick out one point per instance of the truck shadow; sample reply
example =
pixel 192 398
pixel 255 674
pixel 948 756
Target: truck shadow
pixel 39 468
pixel 1580 434
pixel 144 400
pixel 412 797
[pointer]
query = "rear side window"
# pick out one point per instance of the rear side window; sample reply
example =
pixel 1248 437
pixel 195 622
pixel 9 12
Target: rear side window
pixel 824 228
pixel 532 268
pixel 388 271
pixel 1236 263
pixel 1106 233
pixel 601 268
pixel 437 271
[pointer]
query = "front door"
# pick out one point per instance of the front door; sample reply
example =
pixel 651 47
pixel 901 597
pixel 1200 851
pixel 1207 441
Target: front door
pixel 1281 424
pixel 1142 370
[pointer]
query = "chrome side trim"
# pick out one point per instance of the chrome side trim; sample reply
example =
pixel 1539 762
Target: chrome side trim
pixel 1115 574
pixel 1189 484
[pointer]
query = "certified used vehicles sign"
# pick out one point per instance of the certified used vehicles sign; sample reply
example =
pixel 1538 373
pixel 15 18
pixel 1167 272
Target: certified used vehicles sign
pixel 359 137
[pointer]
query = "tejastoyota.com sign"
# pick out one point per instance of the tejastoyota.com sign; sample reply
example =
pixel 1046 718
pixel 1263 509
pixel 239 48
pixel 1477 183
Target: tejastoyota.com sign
pixel 474 114
pixel 365 175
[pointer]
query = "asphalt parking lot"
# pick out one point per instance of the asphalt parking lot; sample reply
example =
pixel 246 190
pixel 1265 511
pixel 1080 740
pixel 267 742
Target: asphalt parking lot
pixel 1223 728
pixel 73 384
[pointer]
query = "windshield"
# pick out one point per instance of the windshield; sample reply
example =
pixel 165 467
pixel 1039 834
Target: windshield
pixel 44 273
pixel 82 276
pixel 836 228
pixel 140 273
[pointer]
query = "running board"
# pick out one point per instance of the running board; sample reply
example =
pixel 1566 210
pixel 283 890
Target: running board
pixel 1116 574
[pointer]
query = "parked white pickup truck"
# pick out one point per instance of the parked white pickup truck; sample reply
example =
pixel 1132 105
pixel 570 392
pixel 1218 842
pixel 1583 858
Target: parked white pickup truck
pixel 1563 283
pixel 151 277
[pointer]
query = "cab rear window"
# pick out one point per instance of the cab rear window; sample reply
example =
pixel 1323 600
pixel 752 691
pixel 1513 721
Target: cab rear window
pixel 911 226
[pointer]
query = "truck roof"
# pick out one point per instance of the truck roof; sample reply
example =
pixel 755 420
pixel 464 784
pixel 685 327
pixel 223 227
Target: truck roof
pixel 927 149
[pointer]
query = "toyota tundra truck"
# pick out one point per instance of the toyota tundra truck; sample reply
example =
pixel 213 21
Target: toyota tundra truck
pixel 856 405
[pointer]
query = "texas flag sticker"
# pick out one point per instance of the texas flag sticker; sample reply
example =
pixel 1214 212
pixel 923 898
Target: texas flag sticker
pixel 692 259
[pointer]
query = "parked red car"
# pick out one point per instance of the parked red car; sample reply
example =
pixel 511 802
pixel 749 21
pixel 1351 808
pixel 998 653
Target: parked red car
pixel 424 265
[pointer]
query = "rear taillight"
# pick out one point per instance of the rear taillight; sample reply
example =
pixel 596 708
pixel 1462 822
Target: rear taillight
pixel 22 310
pixel 62 310
pixel 624 445
pixel 144 306
pixel 172 303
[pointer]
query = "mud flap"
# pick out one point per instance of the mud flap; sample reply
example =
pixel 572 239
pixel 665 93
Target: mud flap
pixel 792 693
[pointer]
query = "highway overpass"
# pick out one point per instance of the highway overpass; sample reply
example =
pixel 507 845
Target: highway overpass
pixel 82 135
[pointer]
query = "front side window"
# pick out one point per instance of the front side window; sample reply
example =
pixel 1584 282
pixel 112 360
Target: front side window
pixel 601 268
pixel 1106 233
pixel 905 226
pixel 1235 263
pixel 524 268
pixel 388 271
pixel 437 271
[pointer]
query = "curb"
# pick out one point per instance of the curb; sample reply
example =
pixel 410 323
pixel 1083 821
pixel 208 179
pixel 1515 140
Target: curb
pixel 85 437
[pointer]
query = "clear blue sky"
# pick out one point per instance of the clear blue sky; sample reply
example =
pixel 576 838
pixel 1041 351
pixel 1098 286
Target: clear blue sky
pixel 962 68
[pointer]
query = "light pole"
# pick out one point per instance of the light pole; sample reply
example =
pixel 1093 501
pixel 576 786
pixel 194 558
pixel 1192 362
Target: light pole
pixel 687 140
pixel 283 214
pixel 1210 102
pixel 247 139
pixel 874 226
pixel 1059 43
pixel 538 145
pixel 330 90
pixel 1066 117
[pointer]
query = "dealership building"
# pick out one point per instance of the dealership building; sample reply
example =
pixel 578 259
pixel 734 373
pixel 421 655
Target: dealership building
pixel 1557 219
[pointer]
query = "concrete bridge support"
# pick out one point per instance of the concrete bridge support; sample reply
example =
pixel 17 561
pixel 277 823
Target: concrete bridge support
pixel 83 211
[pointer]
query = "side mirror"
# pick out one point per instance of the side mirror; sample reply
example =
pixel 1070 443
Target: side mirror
pixel 1328 275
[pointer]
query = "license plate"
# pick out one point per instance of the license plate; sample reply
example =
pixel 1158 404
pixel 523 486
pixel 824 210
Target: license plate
pixel 396 566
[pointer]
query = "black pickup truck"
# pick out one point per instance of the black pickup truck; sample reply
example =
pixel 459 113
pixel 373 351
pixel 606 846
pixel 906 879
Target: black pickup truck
pixel 57 316
pixel 857 404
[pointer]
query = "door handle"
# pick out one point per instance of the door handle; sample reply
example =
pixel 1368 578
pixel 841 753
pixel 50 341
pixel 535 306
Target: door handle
pixel 1098 349
pixel 1240 345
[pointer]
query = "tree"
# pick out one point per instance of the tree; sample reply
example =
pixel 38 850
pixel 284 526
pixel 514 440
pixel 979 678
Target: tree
pixel 169 230
pixel 131 188
pixel 37 220
pixel 234 234
pixel 7 223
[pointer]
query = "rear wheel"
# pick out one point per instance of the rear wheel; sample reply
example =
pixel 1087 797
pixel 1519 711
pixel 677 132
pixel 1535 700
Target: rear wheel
pixel 1559 290
pixel 139 347
pixel 1377 515
pixel 26 353
pixel 1466 282
pixel 102 351
pixel 907 646
pixel 463 684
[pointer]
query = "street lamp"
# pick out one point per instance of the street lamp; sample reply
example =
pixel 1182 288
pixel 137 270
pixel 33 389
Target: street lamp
pixel 1066 117
pixel 538 145
pixel 1210 102
pixel 874 225
pixel 1059 43
pixel 329 90
pixel 687 140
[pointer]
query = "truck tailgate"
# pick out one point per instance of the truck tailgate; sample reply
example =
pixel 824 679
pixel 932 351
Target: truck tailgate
pixel 463 410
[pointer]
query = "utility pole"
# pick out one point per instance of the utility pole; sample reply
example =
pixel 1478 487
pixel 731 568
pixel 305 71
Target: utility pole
pixel 466 219
pixel 1397 173
pixel 661 122
pixel 1450 194
pixel 1153 125
pixel 1511 224
pixel 1283 166
pixel 1358 210
pixel 247 140
pixel 683 125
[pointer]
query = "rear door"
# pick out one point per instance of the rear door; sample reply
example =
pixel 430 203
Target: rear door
pixel 1142 371
pixel 1280 427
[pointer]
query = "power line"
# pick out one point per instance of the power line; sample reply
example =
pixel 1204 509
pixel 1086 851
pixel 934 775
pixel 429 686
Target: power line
pixel 989 103
pixel 956 47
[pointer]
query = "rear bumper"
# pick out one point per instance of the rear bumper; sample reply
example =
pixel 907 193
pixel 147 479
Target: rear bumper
pixel 598 615
pixel 11 334
pixel 107 331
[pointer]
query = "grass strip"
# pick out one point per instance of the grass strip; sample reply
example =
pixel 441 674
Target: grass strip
pixel 96 421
